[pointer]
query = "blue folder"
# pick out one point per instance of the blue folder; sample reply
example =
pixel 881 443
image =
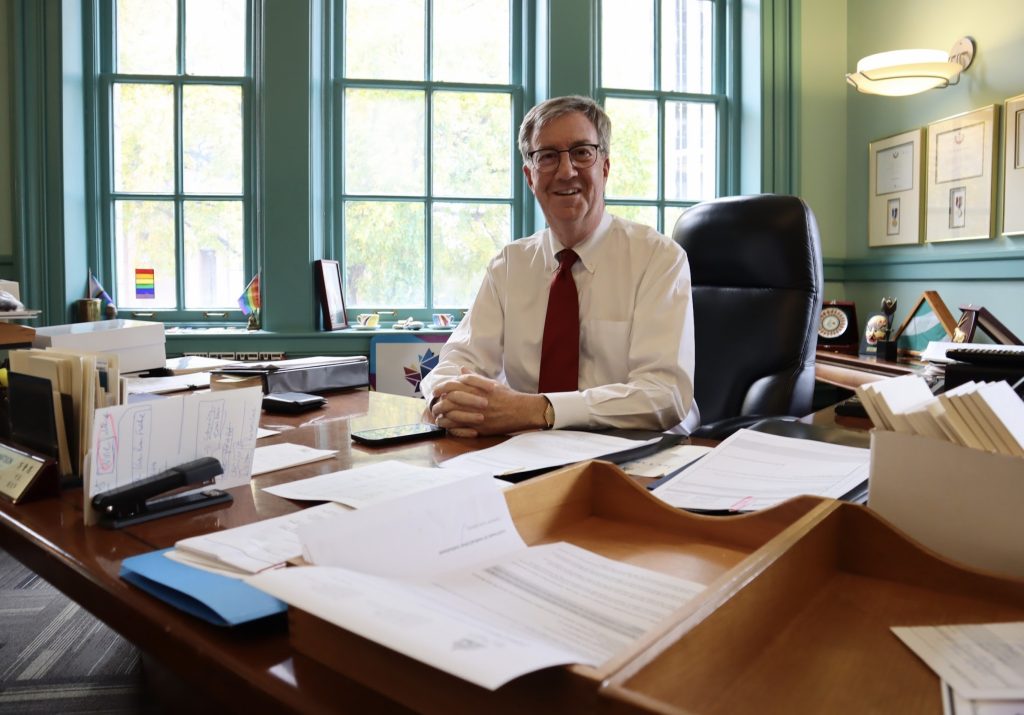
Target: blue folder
pixel 220 600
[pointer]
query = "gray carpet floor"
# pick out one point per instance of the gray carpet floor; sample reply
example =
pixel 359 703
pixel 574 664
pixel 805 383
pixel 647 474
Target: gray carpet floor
pixel 55 657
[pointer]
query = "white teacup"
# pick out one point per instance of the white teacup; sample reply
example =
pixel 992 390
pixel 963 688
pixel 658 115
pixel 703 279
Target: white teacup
pixel 443 320
pixel 370 320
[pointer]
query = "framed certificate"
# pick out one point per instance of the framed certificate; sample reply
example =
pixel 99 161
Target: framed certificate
pixel 961 176
pixel 894 190
pixel 1013 167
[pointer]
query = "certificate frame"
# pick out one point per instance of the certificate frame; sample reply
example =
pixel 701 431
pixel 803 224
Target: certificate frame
pixel 960 176
pixel 327 278
pixel 894 189
pixel 1013 166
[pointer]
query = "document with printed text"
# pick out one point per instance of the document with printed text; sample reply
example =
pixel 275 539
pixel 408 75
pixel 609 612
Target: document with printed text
pixel 539 450
pixel 754 470
pixel 442 576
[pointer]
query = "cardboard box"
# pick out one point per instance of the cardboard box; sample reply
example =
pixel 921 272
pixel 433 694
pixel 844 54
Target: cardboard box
pixel 963 503
pixel 139 344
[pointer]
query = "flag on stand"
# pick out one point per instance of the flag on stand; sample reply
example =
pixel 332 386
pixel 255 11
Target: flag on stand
pixel 96 290
pixel 250 298
pixel 145 283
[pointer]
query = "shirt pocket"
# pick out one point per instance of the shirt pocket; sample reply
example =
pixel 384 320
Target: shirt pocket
pixel 606 345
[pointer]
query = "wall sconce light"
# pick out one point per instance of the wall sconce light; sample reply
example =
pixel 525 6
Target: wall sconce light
pixel 902 72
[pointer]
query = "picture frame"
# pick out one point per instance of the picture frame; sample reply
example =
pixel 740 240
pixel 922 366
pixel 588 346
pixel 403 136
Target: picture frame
pixel 894 189
pixel 929 319
pixel 327 279
pixel 974 317
pixel 1013 166
pixel 960 175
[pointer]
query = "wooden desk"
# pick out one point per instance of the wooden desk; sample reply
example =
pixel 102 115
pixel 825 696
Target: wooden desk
pixel 246 668
pixel 850 371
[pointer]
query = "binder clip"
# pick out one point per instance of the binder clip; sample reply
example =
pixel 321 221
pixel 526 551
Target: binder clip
pixel 135 503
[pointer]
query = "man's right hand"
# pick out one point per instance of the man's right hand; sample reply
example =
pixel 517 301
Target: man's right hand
pixel 459 404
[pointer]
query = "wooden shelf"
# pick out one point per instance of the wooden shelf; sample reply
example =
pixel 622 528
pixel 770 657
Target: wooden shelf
pixel 13 335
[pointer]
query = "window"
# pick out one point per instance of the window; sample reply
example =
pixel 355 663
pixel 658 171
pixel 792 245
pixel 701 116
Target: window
pixel 663 87
pixel 427 180
pixel 175 179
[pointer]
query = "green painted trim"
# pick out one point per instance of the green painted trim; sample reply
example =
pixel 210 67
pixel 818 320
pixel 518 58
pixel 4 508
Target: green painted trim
pixel 1004 265
pixel 778 155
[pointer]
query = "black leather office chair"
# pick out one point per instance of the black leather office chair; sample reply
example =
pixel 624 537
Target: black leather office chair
pixel 755 262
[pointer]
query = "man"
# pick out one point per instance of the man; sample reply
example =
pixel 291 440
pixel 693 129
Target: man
pixel 604 334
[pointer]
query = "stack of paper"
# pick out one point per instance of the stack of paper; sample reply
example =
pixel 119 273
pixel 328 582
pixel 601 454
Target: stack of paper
pixel 980 665
pixel 84 381
pixel 987 415
pixel 249 549
pixel 444 577
pixel 754 470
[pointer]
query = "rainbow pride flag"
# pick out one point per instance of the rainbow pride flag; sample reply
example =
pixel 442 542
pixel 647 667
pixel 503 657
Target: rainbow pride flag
pixel 145 284
pixel 96 289
pixel 250 298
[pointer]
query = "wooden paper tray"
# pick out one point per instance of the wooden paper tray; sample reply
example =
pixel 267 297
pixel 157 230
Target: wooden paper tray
pixel 810 633
pixel 595 506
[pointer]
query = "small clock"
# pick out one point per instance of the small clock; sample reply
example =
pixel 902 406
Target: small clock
pixel 837 327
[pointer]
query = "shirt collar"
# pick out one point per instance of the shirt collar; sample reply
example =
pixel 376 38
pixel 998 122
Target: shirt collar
pixel 586 249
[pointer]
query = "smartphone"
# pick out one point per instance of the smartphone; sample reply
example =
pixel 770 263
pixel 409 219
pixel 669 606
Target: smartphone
pixel 400 433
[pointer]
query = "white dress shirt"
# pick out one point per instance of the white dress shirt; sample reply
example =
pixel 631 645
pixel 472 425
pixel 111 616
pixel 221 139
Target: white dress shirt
pixel 636 328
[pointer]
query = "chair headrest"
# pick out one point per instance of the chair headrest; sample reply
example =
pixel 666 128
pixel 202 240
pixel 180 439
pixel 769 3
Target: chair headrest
pixel 766 240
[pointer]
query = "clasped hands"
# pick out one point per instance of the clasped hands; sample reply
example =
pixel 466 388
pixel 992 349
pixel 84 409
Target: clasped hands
pixel 472 405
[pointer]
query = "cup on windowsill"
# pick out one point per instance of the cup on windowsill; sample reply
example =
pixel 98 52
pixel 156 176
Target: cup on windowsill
pixel 368 320
pixel 443 320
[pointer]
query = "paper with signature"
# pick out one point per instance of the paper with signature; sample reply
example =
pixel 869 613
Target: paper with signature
pixel 361 486
pixel 451 584
pixel 539 450
pixel 753 470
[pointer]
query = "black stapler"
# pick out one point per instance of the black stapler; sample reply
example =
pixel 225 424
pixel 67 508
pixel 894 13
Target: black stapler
pixel 135 503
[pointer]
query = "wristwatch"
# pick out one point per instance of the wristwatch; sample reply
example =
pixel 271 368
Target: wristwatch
pixel 549 415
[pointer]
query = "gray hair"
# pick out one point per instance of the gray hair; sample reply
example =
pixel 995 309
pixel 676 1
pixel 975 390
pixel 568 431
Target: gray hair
pixel 540 115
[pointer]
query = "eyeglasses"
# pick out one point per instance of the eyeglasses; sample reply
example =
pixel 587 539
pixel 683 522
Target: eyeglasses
pixel 581 156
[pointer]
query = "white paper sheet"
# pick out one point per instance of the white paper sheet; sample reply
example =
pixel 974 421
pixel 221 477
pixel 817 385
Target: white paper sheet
pixel 538 450
pixel 421 534
pixel 161 385
pixel 135 441
pixel 362 486
pixel 752 470
pixel 542 606
pixel 262 432
pixel 285 454
pixel 981 661
pixel 263 545
pixel 664 462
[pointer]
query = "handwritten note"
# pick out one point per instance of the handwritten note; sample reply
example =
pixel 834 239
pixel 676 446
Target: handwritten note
pixel 135 441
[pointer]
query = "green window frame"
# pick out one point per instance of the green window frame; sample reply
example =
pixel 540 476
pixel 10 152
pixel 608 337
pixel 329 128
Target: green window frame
pixel 339 194
pixel 107 196
pixel 722 96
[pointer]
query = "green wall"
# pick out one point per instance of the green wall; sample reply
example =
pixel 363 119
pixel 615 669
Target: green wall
pixel 834 173
pixel 6 174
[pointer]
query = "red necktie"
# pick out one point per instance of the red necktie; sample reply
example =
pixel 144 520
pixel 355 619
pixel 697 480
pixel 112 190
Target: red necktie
pixel 560 350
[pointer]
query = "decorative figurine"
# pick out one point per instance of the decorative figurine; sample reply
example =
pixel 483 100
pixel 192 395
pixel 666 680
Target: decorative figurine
pixel 887 349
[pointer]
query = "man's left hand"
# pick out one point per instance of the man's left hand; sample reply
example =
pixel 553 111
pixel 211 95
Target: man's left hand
pixel 506 410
